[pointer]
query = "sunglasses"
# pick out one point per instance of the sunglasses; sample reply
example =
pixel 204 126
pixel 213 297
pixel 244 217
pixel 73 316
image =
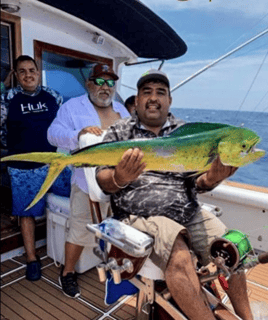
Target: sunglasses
pixel 100 82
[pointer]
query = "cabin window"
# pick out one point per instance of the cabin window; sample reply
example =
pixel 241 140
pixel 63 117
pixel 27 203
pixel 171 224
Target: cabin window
pixel 6 50
pixel 10 43
pixel 65 70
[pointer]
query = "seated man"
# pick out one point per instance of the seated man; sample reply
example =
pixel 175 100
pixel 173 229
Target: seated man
pixel 164 204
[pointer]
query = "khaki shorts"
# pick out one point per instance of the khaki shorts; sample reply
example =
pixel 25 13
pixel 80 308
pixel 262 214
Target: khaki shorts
pixel 201 231
pixel 80 215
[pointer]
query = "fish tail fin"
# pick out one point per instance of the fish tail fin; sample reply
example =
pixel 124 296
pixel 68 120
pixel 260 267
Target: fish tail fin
pixel 54 171
pixel 40 157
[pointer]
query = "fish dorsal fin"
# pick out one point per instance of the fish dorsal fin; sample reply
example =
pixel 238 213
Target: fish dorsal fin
pixel 196 127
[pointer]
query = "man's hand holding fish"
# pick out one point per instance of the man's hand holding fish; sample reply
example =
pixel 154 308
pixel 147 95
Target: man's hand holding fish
pixel 215 175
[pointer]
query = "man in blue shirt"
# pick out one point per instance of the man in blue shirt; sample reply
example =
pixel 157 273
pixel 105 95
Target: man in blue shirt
pixel 26 113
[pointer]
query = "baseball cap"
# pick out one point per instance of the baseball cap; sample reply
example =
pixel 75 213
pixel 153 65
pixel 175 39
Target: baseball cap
pixel 153 74
pixel 100 69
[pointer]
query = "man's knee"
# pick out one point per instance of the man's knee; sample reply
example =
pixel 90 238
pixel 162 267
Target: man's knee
pixel 180 255
pixel 27 220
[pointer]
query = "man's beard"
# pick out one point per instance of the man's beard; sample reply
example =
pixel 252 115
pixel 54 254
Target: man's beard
pixel 103 102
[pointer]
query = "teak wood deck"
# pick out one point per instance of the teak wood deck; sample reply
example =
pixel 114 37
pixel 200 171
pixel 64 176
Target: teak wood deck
pixel 44 300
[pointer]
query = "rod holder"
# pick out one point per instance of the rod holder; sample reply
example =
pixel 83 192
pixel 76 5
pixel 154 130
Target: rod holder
pixel 117 270
pixel 103 267
pixel 102 272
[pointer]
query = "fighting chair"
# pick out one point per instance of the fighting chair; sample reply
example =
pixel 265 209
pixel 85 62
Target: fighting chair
pixel 125 253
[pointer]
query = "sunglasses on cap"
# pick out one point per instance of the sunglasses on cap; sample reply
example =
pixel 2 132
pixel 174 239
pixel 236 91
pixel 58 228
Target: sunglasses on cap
pixel 100 82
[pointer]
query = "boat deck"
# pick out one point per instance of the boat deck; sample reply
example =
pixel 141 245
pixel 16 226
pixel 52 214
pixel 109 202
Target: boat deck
pixel 43 299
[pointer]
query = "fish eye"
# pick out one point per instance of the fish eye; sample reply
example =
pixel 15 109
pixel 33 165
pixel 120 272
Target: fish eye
pixel 244 146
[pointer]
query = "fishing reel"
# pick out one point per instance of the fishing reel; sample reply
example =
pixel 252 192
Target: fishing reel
pixel 229 254
pixel 229 251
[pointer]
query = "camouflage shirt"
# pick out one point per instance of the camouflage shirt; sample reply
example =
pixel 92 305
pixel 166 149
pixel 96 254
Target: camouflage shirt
pixel 169 194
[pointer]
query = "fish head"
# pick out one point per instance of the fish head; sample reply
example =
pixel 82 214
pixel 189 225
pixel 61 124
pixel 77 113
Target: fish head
pixel 238 147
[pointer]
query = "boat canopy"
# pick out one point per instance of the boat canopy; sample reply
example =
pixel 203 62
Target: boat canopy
pixel 129 21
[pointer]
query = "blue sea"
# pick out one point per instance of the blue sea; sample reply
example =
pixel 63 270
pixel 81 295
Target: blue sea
pixel 255 173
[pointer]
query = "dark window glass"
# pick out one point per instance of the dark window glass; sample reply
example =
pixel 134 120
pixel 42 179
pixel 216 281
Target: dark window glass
pixel 6 52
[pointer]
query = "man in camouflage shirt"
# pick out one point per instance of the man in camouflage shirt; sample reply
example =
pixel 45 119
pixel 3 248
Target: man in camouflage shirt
pixel 164 204
pixel 171 193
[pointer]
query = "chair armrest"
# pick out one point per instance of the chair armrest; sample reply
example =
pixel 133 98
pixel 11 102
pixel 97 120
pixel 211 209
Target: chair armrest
pixel 124 237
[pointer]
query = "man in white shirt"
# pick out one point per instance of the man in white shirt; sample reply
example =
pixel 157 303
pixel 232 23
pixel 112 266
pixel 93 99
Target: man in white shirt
pixel 89 113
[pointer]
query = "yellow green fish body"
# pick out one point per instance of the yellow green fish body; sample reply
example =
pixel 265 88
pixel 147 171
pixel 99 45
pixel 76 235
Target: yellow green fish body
pixel 190 148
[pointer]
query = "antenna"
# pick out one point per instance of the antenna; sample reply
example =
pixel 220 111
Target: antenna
pixel 218 60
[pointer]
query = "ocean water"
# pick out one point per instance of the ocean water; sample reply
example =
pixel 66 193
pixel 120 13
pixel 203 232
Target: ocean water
pixel 255 173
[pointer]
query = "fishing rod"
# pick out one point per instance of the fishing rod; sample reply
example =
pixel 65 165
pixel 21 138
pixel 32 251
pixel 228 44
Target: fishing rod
pixel 124 85
pixel 251 85
pixel 218 60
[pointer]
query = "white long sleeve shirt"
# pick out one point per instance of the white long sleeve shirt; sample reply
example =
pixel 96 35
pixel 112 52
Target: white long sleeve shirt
pixel 74 115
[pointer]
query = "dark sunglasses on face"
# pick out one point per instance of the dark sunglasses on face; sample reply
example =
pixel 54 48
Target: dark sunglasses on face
pixel 100 82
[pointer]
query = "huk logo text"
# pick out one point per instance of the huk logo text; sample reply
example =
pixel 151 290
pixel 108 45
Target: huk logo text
pixel 39 107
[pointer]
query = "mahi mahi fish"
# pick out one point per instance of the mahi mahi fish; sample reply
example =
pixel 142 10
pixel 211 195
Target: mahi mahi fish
pixel 190 148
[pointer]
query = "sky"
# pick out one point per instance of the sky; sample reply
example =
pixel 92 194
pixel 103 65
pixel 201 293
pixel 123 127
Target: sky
pixel 210 30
